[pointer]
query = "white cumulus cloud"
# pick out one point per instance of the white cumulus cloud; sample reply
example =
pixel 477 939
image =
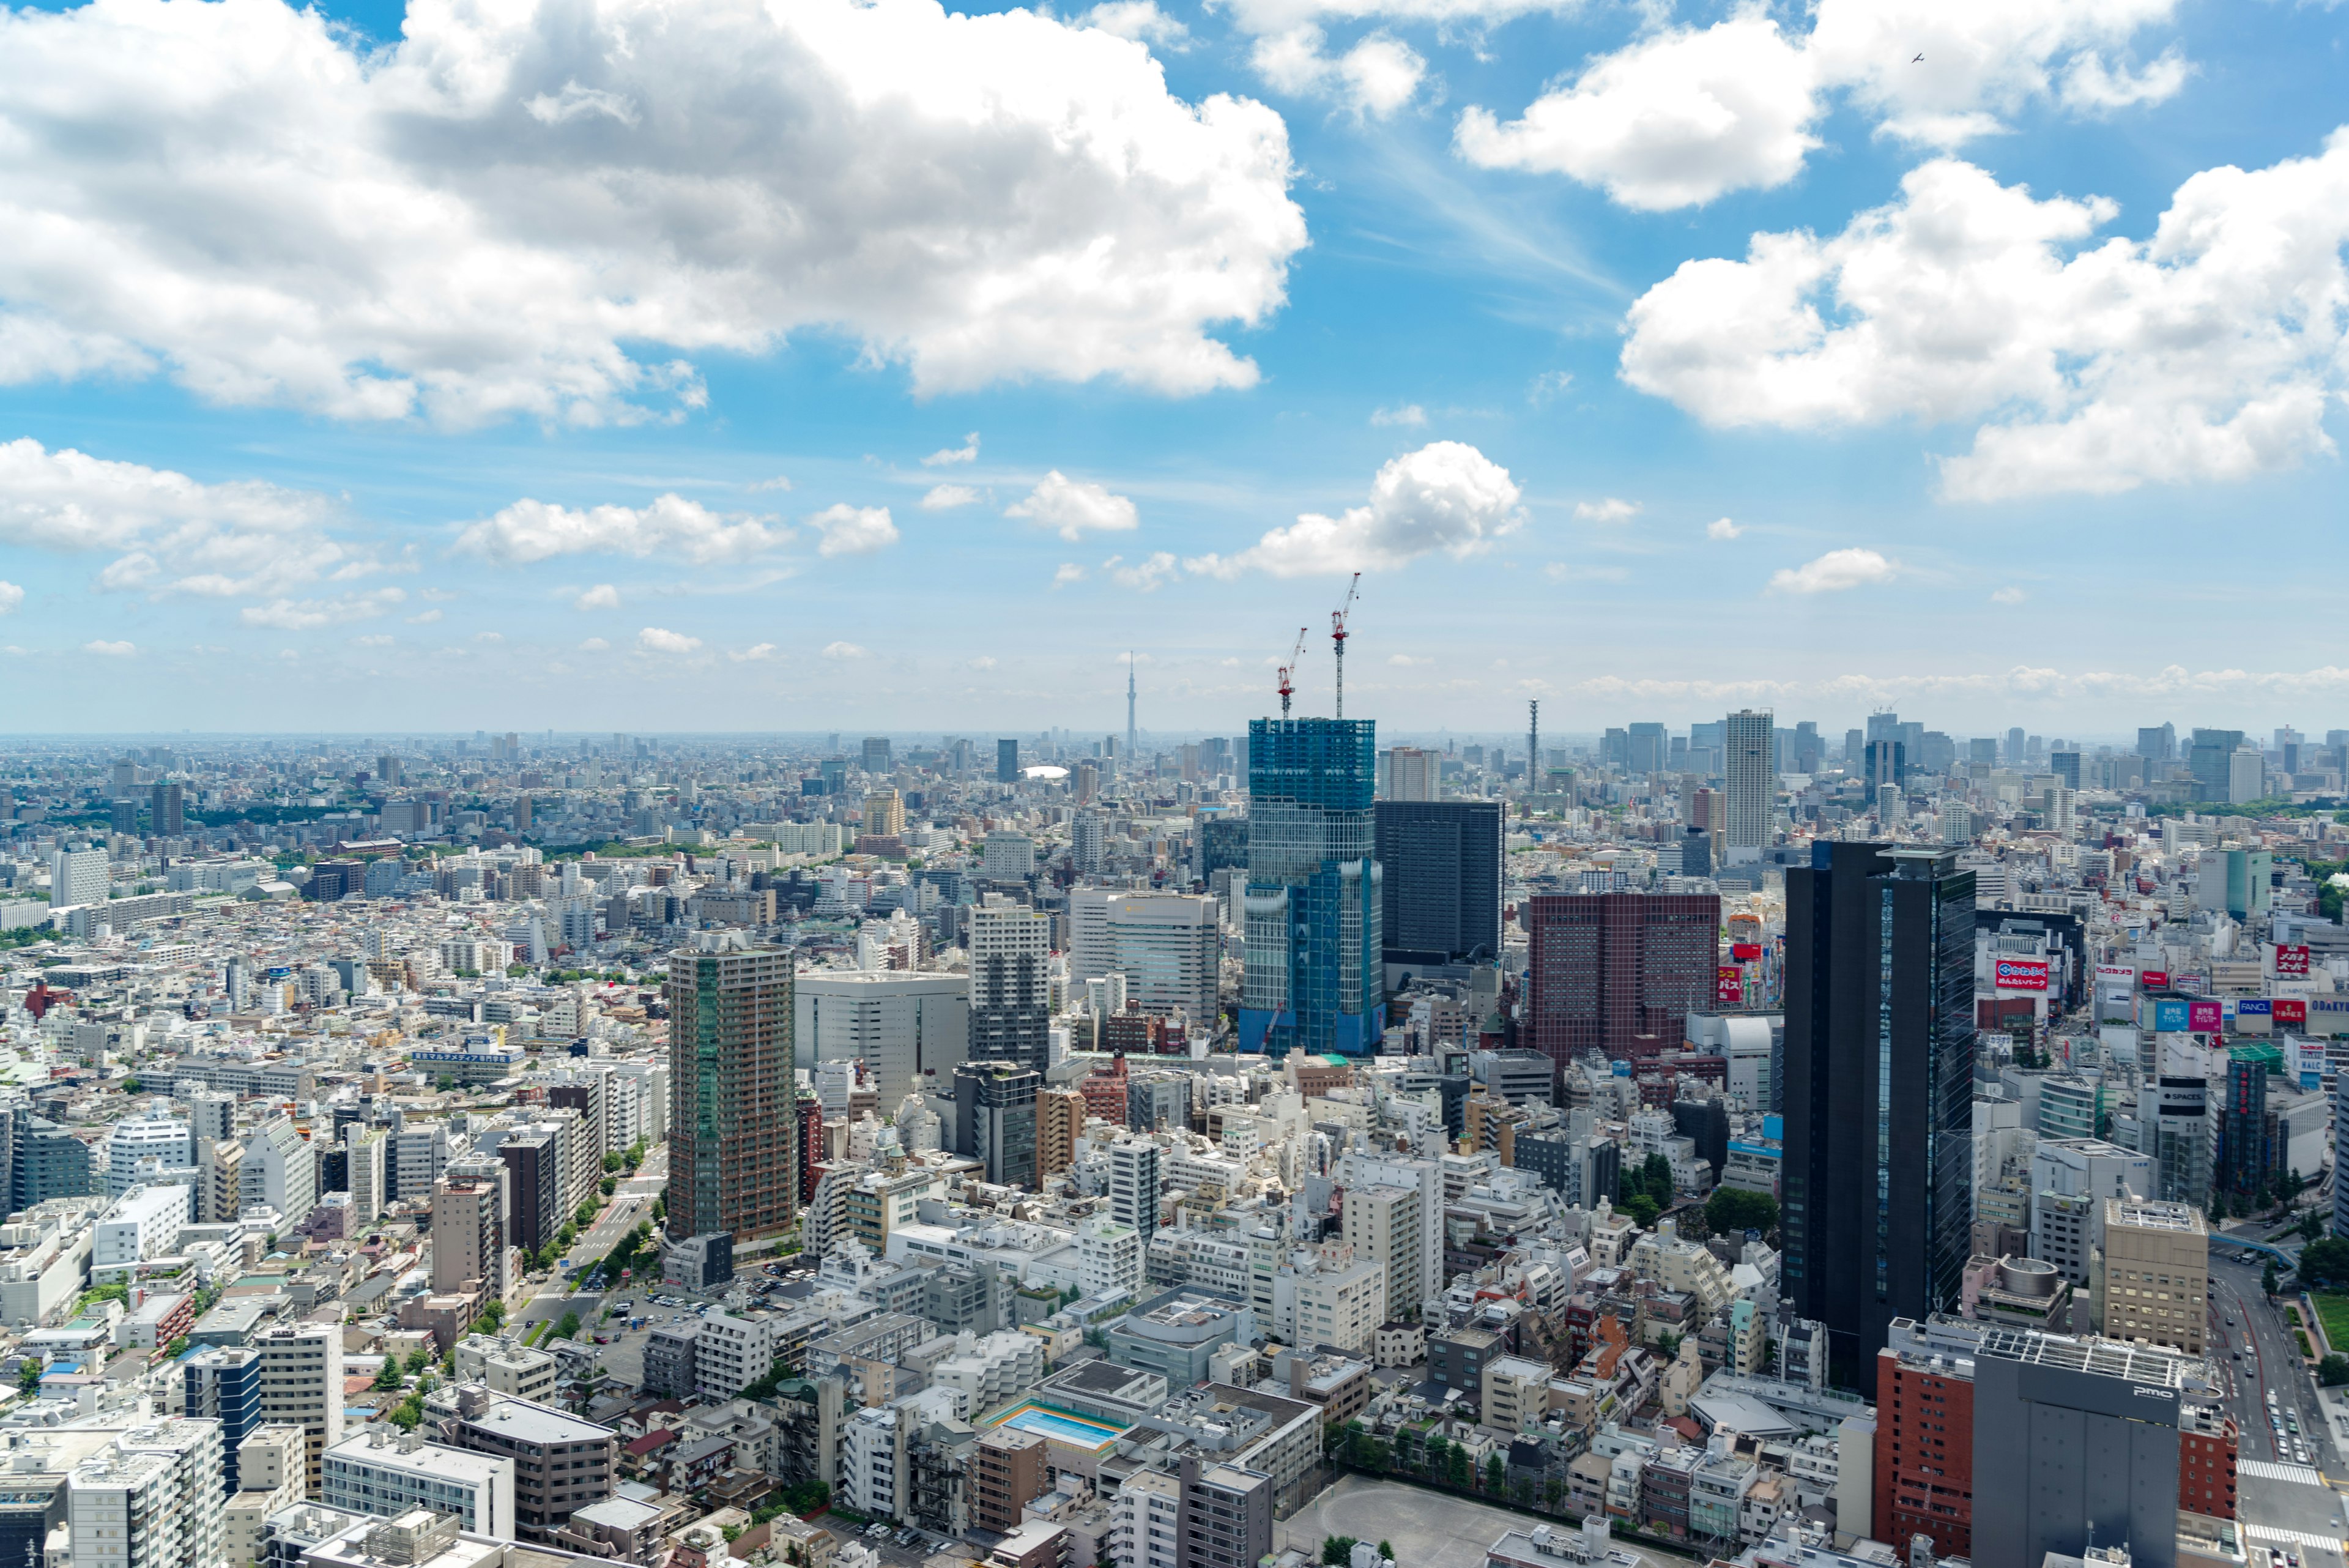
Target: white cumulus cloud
pixel 754 653
pixel 1139 20
pixel 11 596
pixel 2008 595
pixel 1722 529
pixel 2207 352
pixel 1146 575
pixel 1073 508
pixel 1375 77
pixel 1833 573
pixel 1407 414
pixel 602 595
pixel 946 498
pixel 1613 509
pixel 854 530
pixel 1445 497
pixel 110 649
pixel 1070 572
pixel 660 639
pixel 1672 121
pixel 841 651
pixel 167 532
pixel 967 452
pixel 1682 116
pixel 530 531
pixel 534 210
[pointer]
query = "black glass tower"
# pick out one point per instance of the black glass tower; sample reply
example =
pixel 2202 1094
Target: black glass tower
pixel 1879 1175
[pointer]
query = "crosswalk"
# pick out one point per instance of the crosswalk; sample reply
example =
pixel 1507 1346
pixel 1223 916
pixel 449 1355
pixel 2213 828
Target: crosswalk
pixel 2269 1533
pixel 2268 1471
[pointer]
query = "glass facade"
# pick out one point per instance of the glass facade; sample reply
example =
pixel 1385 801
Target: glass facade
pixel 1311 976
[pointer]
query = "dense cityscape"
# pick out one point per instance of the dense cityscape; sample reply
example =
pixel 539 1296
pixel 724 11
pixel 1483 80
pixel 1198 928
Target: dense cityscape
pixel 1760 1143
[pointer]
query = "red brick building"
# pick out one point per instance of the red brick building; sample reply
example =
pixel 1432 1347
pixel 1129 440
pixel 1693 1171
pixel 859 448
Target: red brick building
pixel 1925 1451
pixel 1617 973
pixel 2206 1447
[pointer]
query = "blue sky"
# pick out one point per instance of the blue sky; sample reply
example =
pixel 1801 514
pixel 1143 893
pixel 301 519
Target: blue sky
pixel 2029 459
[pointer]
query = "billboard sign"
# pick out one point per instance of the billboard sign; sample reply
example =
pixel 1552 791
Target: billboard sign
pixel 2203 1017
pixel 2291 963
pixel 1745 952
pixel 2289 1013
pixel 1729 986
pixel 2021 974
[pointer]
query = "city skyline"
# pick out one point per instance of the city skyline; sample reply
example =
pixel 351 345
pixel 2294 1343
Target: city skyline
pixel 1506 311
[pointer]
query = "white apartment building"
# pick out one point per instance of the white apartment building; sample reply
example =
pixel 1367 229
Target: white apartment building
pixel 1109 1258
pixel 1167 946
pixel 1341 1302
pixel 990 1370
pixel 280 1170
pixel 1382 1225
pixel 154 1500
pixel 385 1472
pixel 872 1468
pixel 1134 1184
pixel 1426 1177
pixel 1146 1522
pixel 505 1366
pixel 302 1385
pixel 1006 857
pixel 731 1353
pixel 167 1140
pixel 143 1223
pixel 78 876
pixel 909 1027
pixel 271 1464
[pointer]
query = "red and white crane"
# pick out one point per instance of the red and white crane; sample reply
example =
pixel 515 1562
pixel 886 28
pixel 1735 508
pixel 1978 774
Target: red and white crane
pixel 1289 668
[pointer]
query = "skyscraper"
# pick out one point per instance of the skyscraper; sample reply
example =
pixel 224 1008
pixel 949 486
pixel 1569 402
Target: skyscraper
pixel 1440 870
pixel 165 815
pixel 77 877
pixel 1312 978
pixel 733 1131
pixel 877 754
pixel 994 1118
pixel 1411 774
pixel 1617 973
pixel 1878 1098
pixel 1010 990
pixel 1750 785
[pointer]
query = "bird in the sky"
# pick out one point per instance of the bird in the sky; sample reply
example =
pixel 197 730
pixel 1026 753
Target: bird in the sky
pixel 1921 57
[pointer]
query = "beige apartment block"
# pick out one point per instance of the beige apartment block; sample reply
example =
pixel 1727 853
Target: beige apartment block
pixel 2156 1282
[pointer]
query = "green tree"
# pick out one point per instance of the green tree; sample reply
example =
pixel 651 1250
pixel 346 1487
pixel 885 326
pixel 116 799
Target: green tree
pixel 1497 1472
pixel 444 1082
pixel 386 1376
pixel 2326 1261
pixel 408 1414
pixel 2312 1225
pixel 568 1328
pixel 2267 1278
pixel 2332 1371
pixel 1436 1456
pixel 1731 1210
pixel 1336 1550
pixel 419 1359
pixel 29 1375
pixel 1655 1178
pixel 608 1185
pixel 1642 1208
pixel 131 1085
pixel 1386 1549
pixel 493 1312
pixel 612 1161
pixel 1457 1469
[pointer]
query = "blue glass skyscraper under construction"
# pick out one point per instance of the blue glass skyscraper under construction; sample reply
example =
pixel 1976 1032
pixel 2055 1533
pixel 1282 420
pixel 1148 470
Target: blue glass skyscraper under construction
pixel 1313 980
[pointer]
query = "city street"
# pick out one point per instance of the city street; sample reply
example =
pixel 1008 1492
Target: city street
pixel 631 1205
pixel 2280 1502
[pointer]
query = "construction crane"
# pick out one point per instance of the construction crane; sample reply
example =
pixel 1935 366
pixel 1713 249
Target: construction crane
pixel 1289 668
pixel 1338 636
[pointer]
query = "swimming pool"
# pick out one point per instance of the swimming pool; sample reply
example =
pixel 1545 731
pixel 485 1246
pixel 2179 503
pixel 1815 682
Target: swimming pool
pixel 1078 1431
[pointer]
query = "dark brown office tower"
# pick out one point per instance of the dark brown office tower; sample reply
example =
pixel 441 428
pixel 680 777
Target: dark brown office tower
pixel 733 1119
pixel 1617 973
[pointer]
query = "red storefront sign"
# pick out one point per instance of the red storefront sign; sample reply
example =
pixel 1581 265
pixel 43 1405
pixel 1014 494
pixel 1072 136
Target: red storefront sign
pixel 1729 986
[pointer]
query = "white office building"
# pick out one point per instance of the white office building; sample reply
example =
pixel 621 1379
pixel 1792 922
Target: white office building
pixel 873 1462
pixel 143 1223
pixel 78 876
pixel 1109 1258
pixel 910 1028
pixel 154 1500
pixel 1749 772
pixel 385 1472
pixel 167 1140
pixel 1167 945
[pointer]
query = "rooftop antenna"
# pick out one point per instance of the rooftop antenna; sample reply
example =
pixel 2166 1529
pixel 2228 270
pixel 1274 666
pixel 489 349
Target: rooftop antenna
pixel 1533 742
pixel 1129 708
pixel 1338 636
pixel 1289 668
